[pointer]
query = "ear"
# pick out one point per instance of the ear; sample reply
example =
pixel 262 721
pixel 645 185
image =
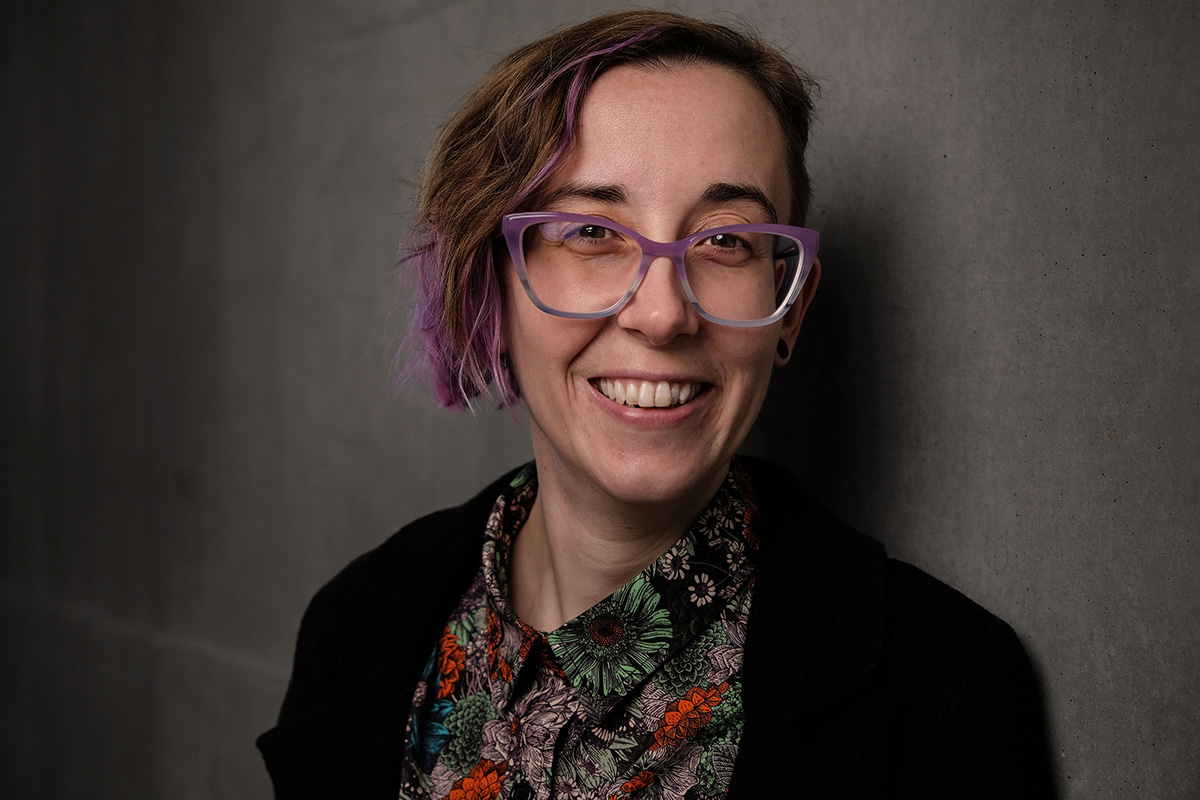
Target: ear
pixel 795 315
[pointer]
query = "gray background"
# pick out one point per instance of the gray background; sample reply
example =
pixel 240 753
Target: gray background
pixel 200 207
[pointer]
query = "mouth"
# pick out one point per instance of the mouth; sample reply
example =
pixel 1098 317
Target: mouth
pixel 647 394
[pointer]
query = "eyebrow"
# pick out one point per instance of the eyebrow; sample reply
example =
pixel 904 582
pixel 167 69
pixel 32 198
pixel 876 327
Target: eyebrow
pixel 715 194
pixel 605 193
pixel 728 192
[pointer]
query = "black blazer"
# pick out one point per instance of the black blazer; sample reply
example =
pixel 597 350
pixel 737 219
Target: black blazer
pixel 864 677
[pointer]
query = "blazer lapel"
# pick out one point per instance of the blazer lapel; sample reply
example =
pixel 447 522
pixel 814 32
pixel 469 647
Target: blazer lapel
pixel 814 639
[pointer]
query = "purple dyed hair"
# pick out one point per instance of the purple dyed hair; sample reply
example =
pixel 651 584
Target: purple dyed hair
pixel 511 134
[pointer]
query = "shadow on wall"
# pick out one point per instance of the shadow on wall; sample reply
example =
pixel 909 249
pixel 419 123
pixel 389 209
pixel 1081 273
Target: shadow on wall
pixel 827 417
pixel 834 416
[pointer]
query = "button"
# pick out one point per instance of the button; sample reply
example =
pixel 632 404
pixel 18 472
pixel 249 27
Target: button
pixel 523 791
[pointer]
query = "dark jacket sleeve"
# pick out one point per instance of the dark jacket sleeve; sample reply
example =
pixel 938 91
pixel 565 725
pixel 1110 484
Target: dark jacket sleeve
pixel 868 678
pixel 340 726
pixel 363 643
pixel 951 710
pixel 991 740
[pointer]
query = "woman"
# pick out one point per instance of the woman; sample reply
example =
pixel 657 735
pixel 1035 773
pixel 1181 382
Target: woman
pixel 610 237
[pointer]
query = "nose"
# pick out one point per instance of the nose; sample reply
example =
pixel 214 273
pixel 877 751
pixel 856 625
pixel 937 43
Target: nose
pixel 659 310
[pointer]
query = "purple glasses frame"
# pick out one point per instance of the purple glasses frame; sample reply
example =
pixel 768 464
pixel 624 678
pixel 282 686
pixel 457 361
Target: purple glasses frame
pixel 513 227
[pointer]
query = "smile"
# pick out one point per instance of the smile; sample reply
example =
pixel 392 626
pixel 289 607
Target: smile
pixel 647 394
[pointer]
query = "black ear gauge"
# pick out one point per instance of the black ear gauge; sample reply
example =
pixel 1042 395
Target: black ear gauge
pixel 782 349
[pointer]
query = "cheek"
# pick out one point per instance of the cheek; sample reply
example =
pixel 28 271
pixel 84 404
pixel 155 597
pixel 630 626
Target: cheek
pixel 755 352
pixel 755 357
pixel 542 346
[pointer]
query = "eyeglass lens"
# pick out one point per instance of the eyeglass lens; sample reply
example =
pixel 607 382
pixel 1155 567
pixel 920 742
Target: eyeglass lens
pixel 586 268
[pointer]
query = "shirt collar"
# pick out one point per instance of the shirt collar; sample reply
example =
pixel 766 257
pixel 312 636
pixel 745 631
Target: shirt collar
pixel 619 642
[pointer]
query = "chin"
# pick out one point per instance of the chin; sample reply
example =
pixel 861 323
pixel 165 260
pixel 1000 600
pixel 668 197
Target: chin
pixel 662 480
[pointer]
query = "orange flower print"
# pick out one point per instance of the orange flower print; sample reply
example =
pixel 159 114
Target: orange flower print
pixel 687 715
pixel 494 632
pixel 497 663
pixel 482 784
pixel 501 671
pixel 639 781
pixel 750 527
pixel 451 658
pixel 529 637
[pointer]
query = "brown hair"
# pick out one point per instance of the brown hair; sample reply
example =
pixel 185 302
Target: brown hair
pixel 509 136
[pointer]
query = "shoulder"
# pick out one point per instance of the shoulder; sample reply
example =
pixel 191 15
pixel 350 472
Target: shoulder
pixel 362 643
pixel 933 622
pixel 819 562
pixel 412 562
pixel 893 680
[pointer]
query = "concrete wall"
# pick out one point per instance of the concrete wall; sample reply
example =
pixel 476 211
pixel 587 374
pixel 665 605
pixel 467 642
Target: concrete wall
pixel 199 209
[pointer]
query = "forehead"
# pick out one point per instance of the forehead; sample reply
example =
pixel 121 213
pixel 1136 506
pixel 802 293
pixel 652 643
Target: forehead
pixel 665 134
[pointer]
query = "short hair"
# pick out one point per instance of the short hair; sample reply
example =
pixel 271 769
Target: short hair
pixel 513 131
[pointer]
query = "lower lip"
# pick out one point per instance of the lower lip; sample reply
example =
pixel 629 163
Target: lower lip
pixel 653 417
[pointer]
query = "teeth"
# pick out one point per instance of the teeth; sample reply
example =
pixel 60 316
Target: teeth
pixel 662 394
pixel 647 394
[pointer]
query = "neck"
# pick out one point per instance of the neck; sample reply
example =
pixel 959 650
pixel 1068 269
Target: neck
pixel 579 545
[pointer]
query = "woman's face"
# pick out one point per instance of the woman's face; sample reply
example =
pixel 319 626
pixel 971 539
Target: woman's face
pixel 656 151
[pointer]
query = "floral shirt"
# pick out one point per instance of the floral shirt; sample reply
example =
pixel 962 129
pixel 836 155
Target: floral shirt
pixel 637 697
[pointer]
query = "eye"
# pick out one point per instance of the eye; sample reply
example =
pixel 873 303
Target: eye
pixel 579 233
pixel 726 241
pixel 590 231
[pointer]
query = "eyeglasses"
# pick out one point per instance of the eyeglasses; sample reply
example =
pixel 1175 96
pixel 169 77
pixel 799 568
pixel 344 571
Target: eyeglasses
pixel 584 267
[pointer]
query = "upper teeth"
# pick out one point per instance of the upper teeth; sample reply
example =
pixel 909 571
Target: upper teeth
pixel 647 394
